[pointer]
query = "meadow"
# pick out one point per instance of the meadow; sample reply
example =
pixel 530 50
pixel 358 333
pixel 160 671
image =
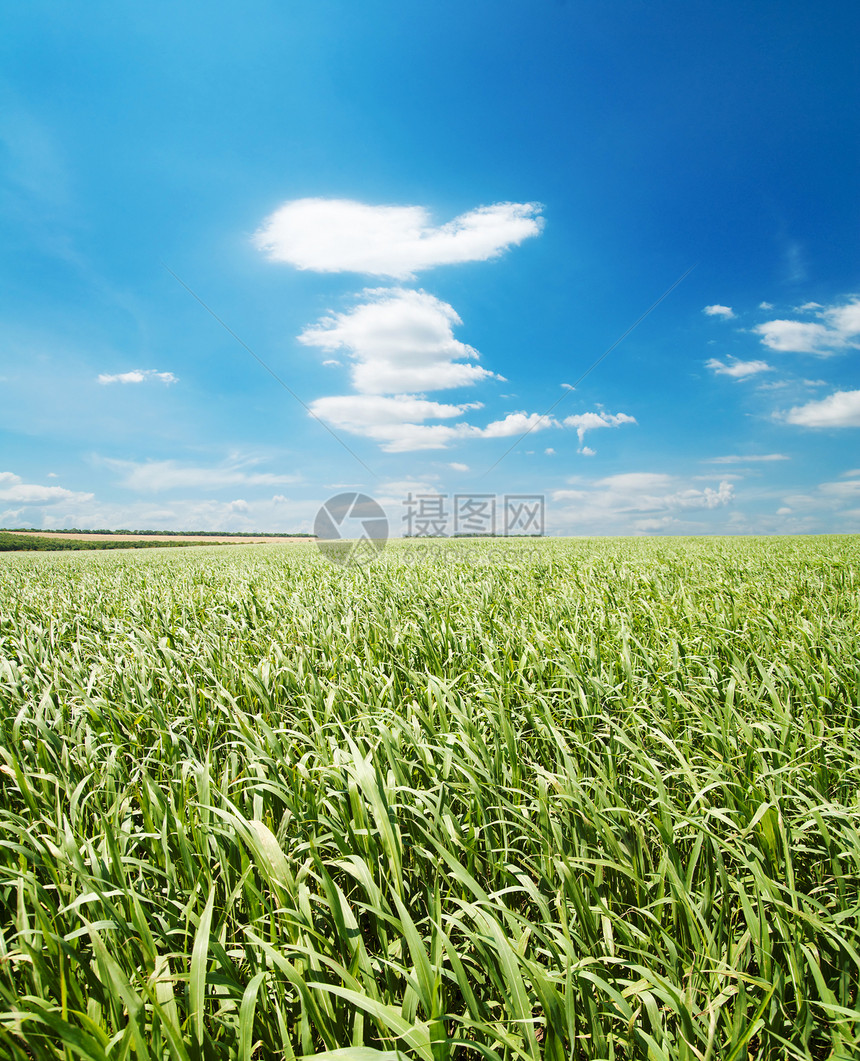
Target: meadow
pixel 587 799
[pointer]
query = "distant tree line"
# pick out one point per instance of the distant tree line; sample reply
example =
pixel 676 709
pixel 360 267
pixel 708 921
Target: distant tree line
pixel 15 543
pixel 174 534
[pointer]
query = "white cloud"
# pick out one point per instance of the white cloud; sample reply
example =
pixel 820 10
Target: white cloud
pixel 719 311
pixel 637 502
pixel 765 305
pixel 738 369
pixel 138 375
pixel 737 458
pixel 517 424
pixel 409 438
pixel 835 501
pixel 358 412
pixel 848 490
pixel 399 341
pixel 155 476
pixel 806 307
pixel 800 337
pixel 14 489
pixel 844 319
pixel 587 451
pixel 584 422
pixel 458 467
pixel 269 514
pixel 549 451
pixel 397 422
pixel 341 235
pixel 840 330
pixel 840 409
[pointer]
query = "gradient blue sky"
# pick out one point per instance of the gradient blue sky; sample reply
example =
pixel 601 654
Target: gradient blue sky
pixel 257 150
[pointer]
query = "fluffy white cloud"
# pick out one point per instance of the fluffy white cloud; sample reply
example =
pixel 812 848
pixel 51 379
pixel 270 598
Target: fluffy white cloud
pixel 801 337
pixel 844 319
pixel 398 422
pixel 155 476
pixel 458 467
pixel 399 341
pixel 517 424
pixel 719 311
pixel 359 412
pixel 840 409
pixel 738 369
pixel 138 375
pixel 584 422
pixel 840 330
pixel 341 235
pixel 739 458
pixel 14 489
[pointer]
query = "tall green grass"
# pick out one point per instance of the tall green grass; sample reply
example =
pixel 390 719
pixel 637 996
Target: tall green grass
pixel 585 799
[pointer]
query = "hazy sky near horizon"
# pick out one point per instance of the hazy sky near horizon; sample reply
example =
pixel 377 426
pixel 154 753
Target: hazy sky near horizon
pixel 429 221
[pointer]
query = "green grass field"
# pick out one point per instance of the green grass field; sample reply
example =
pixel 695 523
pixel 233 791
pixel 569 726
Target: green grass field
pixel 562 799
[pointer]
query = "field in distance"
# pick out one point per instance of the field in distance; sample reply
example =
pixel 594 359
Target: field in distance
pixel 495 800
pixel 38 540
pixel 133 536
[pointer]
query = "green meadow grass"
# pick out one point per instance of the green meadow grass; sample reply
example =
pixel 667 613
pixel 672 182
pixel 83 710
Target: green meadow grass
pixel 562 799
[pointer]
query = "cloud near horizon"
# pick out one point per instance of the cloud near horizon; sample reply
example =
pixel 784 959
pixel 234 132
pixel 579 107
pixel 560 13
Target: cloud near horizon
pixel 342 235
pixel 157 476
pixel 14 490
pixel 639 502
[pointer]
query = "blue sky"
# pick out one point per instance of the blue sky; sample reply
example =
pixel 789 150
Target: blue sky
pixel 429 220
